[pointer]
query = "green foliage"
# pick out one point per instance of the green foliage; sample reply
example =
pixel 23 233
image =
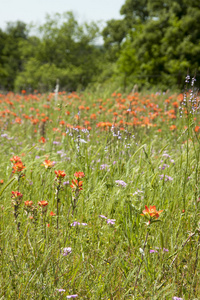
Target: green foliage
pixel 134 11
pixel 65 50
pixel 162 42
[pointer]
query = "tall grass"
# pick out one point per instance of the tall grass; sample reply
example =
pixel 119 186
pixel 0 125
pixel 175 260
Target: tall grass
pixel 91 241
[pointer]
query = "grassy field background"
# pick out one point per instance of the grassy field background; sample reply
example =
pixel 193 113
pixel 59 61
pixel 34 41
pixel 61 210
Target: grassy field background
pixel 66 234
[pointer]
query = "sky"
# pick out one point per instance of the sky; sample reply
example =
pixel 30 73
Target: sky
pixel 34 11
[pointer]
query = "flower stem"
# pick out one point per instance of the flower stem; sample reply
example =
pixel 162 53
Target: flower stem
pixel 145 243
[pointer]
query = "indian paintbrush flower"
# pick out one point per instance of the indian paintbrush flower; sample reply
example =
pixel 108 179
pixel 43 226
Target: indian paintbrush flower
pixel 16 195
pixel 43 203
pixel 79 174
pixel 151 213
pixel 60 174
pixel 28 203
pixel 52 214
pixel 48 164
pixel 18 167
pixel 15 159
pixel 16 201
pixel 76 184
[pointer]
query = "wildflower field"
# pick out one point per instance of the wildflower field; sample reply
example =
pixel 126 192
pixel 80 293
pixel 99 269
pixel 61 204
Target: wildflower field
pixel 99 196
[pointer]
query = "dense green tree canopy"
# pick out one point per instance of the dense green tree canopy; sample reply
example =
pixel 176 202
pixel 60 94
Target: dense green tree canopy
pixel 64 50
pixel 163 44
pixel 154 43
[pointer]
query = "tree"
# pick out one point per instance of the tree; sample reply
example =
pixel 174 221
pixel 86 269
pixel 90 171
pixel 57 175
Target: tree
pixel 65 51
pixel 10 55
pixel 135 11
pixel 164 44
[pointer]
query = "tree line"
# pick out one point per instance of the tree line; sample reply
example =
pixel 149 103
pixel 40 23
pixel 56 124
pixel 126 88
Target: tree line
pixel 155 43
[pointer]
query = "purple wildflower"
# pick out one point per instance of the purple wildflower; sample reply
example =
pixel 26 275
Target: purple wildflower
pixel 67 251
pixel 165 250
pixel 121 182
pixel 137 192
pixel 75 223
pixel 153 251
pixel 102 216
pixel 61 290
pixel 166 155
pixel 164 166
pixel 177 298
pixel 104 166
pixel 111 221
pixel 56 143
pixel 66 182
pixel 166 177
pixel 72 296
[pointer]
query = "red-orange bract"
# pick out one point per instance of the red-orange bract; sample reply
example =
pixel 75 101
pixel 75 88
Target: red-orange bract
pixel 42 140
pixel 151 213
pixel 79 174
pixel 76 184
pixel 43 203
pixel 16 194
pixel 15 159
pixel 60 174
pixel 28 203
pixel 52 213
pixel 18 167
pixel 48 164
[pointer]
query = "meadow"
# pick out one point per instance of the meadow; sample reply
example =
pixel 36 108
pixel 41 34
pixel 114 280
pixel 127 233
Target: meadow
pixel 99 195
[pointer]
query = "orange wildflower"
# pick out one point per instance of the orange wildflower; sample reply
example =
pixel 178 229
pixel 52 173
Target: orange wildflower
pixel 62 123
pixel 79 174
pixel 42 140
pixel 48 164
pixel 52 213
pixel 60 174
pixel 93 116
pixel 43 203
pixel 172 127
pixel 18 120
pixel 16 194
pixel 28 203
pixel 34 121
pixel 151 213
pixel 175 104
pixel 15 159
pixel 76 184
pixel 18 167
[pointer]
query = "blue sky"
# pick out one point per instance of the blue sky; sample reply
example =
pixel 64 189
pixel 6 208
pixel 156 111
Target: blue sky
pixel 34 11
